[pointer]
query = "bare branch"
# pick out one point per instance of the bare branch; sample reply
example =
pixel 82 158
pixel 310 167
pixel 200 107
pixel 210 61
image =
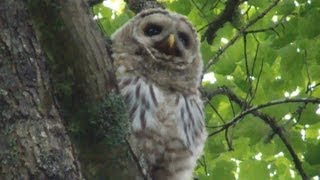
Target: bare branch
pixel 252 109
pixel 199 9
pixel 266 118
pixel 253 66
pixel 272 103
pixel 246 59
pixel 225 16
pixel 272 28
pixel 216 111
pixel 228 139
pixel 318 84
pixel 272 123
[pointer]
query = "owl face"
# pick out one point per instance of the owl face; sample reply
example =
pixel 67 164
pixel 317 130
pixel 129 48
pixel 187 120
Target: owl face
pixel 169 37
pixel 161 46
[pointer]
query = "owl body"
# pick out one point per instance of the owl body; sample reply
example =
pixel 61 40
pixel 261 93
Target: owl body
pixel 158 68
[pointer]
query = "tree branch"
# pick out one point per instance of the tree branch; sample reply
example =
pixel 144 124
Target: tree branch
pixel 224 17
pixel 265 117
pixel 77 48
pixel 240 33
pixel 278 130
pixel 272 103
pixel 138 5
pixel 251 109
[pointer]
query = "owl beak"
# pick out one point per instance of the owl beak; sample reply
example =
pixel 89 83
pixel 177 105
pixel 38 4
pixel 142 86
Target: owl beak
pixel 168 46
pixel 171 40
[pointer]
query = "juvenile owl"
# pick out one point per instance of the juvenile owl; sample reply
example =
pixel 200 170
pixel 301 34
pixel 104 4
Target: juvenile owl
pixel 158 67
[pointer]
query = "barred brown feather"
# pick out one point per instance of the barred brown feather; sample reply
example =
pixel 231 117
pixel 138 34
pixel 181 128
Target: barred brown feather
pixel 160 88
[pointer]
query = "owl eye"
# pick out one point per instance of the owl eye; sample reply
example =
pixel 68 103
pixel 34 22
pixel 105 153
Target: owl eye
pixel 152 30
pixel 184 38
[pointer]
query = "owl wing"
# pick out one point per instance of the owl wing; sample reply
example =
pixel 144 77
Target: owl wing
pixel 190 118
pixel 148 106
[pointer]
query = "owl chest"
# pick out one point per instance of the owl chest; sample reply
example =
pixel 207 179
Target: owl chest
pixel 171 116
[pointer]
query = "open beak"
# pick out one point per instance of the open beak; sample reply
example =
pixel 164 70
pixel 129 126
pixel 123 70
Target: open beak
pixel 168 46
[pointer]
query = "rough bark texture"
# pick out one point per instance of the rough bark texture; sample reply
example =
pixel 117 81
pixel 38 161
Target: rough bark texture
pixel 138 5
pixel 71 39
pixel 33 140
pixel 74 43
pixel 59 35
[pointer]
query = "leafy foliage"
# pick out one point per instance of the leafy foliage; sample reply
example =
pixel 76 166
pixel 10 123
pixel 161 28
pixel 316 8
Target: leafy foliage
pixel 265 51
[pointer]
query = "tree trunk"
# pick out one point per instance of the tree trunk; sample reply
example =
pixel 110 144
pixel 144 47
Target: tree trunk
pixel 54 67
pixel 33 140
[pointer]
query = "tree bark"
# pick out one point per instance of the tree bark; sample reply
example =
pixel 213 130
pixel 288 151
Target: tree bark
pixel 55 70
pixel 33 140
pixel 139 5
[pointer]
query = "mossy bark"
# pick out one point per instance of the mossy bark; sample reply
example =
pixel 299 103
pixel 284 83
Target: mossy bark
pixel 54 66
pixel 33 140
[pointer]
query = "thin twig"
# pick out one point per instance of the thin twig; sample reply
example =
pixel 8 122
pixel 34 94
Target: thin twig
pixel 246 56
pixel 199 9
pixel 225 16
pixel 316 85
pixel 204 4
pixel 239 34
pixel 247 12
pixel 253 68
pixel 215 110
pixel 272 103
pixel 272 28
pixel 232 108
pixel 266 118
pixel 215 5
pixel 248 74
pixel 272 123
pixel 228 139
pixel 207 25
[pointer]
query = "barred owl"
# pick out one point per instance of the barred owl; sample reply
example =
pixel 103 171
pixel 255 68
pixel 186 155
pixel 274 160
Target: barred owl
pixel 158 68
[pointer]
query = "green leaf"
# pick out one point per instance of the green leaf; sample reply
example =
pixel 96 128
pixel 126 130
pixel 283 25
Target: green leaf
pixel 252 128
pixel 223 170
pixel 309 115
pixel 225 66
pixel 258 3
pixel 242 148
pixel 291 65
pixel 313 155
pixel 268 54
pixel 301 1
pixel 307 28
pixel 250 169
pixel 286 7
pixel 179 7
pixel 289 35
pixel 206 51
pixel 296 141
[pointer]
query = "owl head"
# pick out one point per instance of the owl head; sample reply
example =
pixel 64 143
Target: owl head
pixel 164 39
